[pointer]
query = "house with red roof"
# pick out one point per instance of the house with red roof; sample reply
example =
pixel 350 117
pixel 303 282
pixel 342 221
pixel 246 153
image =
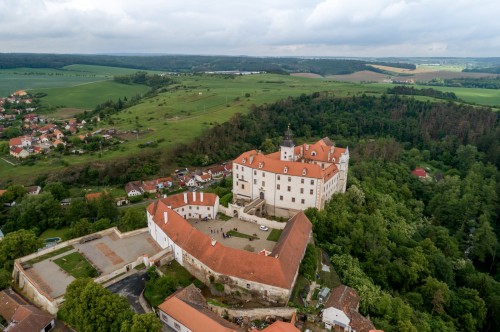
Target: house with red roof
pixel 419 172
pixel 203 178
pixel 341 312
pixel 19 152
pixel 292 179
pixel 269 278
pixel 22 316
pixel 187 310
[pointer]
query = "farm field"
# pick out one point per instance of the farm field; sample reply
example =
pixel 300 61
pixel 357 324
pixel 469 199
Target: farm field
pixel 45 78
pixel 198 102
pixel 88 95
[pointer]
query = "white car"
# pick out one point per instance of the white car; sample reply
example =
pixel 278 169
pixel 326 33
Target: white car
pixel 263 228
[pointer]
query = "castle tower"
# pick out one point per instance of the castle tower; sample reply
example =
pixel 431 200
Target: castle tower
pixel 287 147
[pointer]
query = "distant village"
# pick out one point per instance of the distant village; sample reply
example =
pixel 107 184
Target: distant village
pixel 39 134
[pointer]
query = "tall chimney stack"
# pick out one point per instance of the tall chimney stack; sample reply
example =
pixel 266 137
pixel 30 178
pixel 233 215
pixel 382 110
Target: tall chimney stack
pixel 194 196
pixel 165 217
pixel 185 198
pixel 201 197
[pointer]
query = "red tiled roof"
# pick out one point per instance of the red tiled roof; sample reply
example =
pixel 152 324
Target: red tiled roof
pixel 17 150
pixel 420 172
pixel 92 196
pixel 192 198
pixel 256 160
pixel 2 191
pixel 278 270
pixel 27 317
pixel 18 140
pixel 279 327
pixel 190 311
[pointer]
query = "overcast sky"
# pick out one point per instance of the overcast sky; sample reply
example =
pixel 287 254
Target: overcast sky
pixel 253 27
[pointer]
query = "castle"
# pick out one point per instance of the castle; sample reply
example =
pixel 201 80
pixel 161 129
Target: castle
pixel 292 179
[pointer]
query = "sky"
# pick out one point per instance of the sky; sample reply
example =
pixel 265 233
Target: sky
pixel 352 28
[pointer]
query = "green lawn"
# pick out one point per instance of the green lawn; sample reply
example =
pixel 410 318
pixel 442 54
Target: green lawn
pixel 89 95
pixel 50 254
pixel 76 265
pixel 52 232
pixel 242 235
pixel 179 273
pixel 274 235
pixel 328 279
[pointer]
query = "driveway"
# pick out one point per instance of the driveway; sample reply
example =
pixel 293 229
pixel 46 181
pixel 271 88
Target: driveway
pixel 131 288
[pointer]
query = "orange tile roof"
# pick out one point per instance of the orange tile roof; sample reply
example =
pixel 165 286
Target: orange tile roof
pixel 277 271
pixel 92 196
pixel 2 191
pixel 27 317
pixel 279 327
pixel 193 198
pixel 189 310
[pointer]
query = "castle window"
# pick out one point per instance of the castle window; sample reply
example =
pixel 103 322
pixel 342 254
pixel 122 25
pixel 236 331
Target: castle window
pixel 236 166
pixel 278 177
pixel 278 187
pixel 263 183
pixel 302 181
pixel 302 201
pixel 293 199
pixel 311 191
pixel 301 190
pixel 312 182
pixel 281 198
pixel 263 174
pixel 254 181
pixel 242 186
pixel 288 188
pixel 248 286
pixel 289 179
pixel 254 172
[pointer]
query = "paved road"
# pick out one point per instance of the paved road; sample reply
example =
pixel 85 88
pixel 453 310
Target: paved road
pixel 131 288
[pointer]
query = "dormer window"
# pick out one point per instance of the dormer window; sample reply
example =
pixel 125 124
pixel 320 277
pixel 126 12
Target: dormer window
pixel 244 160
pixel 304 172
pixel 261 165
pixel 313 153
pixel 285 170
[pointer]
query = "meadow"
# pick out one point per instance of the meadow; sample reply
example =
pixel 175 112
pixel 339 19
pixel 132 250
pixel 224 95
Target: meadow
pixel 196 103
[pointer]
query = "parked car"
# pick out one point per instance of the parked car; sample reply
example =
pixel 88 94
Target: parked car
pixel 263 228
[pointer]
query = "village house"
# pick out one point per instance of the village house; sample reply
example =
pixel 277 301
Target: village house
pixel 18 152
pixel 22 316
pixel 341 312
pixel 188 181
pixel 292 179
pixel 134 189
pixel 203 178
pixel 217 171
pixel 268 278
pixel 419 172
pixel 21 141
pixel 33 190
pixel 187 310
pixel 58 134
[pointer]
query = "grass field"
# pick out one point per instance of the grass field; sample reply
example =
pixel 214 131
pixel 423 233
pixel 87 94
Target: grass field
pixel 197 103
pixel 76 265
pixel 51 232
pixel 50 254
pixel 89 95
pixel 48 78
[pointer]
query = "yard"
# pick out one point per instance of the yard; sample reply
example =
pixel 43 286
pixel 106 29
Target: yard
pixel 274 235
pixel 76 265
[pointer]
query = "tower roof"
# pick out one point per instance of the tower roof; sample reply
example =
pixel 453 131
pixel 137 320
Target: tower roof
pixel 288 139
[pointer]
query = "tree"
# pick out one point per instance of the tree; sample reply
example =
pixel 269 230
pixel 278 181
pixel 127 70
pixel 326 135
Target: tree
pixel 5 277
pixel 132 219
pixel 142 323
pixel 57 189
pixel 17 244
pixel 90 307
pixel 484 241
pixel 106 207
pixel 41 211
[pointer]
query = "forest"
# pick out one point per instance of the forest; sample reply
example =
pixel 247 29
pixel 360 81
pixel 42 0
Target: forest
pixel 198 63
pixel 466 82
pixel 422 254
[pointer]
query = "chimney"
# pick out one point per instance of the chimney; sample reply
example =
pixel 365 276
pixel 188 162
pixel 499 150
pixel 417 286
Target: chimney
pixel 201 197
pixel 165 216
pixel 185 198
pixel 194 196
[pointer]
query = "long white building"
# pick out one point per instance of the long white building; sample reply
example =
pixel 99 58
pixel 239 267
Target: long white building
pixel 292 179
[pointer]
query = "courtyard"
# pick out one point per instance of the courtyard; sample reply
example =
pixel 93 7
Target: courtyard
pixel 216 228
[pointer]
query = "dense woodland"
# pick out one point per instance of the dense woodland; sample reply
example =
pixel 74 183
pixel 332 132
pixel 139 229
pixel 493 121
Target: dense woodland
pixel 197 63
pixel 466 82
pixel 411 91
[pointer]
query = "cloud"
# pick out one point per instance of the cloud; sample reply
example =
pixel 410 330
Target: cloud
pixel 259 27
